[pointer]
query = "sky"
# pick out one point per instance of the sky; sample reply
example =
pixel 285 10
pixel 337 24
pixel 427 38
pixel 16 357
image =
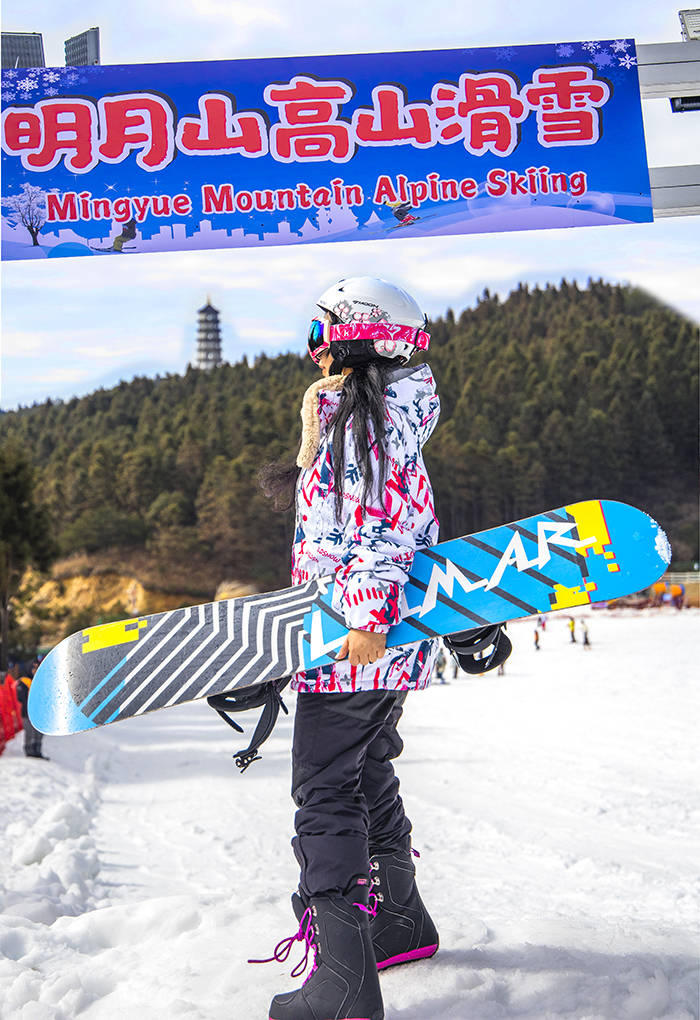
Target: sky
pixel 71 326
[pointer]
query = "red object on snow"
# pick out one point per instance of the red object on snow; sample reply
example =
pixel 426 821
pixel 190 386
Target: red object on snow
pixel 10 716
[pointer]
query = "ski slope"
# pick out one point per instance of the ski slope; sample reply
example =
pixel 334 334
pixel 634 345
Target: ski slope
pixel 556 809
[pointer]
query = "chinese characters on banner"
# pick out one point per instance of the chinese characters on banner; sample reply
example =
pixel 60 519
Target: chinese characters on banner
pixel 175 156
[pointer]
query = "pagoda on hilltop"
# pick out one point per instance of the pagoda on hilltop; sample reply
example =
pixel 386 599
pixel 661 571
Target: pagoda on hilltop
pixel 208 337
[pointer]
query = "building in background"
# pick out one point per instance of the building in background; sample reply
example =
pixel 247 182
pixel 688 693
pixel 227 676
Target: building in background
pixel 23 49
pixel 208 337
pixel 690 32
pixel 690 24
pixel 83 49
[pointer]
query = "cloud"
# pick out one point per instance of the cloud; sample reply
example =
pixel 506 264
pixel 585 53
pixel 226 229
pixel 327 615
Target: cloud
pixel 221 30
pixel 256 330
pixel 78 348
pixel 223 11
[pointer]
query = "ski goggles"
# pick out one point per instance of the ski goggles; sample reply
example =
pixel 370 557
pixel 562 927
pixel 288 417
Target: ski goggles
pixel 389 338
pixel 318 340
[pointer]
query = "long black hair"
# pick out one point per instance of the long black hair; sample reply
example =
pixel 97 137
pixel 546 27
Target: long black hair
pixel 277 479
pixel 362 400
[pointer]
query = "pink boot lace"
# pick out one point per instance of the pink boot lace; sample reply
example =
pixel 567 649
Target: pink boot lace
pixel 283 948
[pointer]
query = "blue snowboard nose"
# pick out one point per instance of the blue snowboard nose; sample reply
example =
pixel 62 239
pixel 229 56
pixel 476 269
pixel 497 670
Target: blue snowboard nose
pixel 52 709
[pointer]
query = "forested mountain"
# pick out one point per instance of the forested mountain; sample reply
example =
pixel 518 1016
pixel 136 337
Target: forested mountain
pixel 547 397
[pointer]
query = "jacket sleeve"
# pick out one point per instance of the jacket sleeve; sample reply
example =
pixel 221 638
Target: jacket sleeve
pixel 379 541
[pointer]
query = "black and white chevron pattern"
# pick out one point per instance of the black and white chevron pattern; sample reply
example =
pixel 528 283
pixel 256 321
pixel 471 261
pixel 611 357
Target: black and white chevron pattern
pixel 203 650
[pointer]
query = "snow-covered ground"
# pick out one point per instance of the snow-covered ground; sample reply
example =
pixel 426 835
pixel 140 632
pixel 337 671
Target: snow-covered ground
pixel 556 808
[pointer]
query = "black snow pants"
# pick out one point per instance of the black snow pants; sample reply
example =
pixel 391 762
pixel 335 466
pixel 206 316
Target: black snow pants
pixel 33 738
pixel 344 785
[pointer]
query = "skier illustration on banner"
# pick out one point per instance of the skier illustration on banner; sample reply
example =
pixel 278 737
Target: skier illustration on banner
pixel 403 212
pixel 118 245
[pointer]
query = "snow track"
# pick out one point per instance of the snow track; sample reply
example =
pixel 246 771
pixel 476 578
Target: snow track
pixel 556 809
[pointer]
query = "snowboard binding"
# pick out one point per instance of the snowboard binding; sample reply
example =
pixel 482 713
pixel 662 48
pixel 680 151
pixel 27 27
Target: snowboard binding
pixel 269 696
pixel 478 651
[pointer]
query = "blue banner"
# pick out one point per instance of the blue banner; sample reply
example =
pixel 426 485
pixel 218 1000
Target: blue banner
pixel 295 150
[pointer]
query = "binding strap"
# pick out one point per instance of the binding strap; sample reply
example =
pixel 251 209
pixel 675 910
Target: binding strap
pixel 269 695
pixel 467 644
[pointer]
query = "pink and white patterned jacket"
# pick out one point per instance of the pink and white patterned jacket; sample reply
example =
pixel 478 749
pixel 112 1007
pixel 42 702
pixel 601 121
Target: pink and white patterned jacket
pixel 371 551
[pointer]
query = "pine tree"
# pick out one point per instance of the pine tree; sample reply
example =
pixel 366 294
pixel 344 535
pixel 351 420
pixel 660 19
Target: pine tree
pixel 25 531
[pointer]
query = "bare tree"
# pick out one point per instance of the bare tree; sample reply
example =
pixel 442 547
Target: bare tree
pixel 29 208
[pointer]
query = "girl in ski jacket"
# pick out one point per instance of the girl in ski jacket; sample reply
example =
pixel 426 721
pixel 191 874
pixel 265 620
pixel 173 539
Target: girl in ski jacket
pixel 364 504
pixel 370 548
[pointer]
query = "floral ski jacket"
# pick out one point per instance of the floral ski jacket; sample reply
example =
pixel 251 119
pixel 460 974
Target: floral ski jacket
pixel 370 551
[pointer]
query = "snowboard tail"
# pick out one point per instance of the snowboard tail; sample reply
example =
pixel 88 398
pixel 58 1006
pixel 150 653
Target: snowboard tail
pixel 118 670
pixel 586 552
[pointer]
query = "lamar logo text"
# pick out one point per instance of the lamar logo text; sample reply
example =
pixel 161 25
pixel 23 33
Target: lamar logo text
pixel 548 533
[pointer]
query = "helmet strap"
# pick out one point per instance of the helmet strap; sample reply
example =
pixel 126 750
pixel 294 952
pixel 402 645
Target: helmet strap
pixel 349 353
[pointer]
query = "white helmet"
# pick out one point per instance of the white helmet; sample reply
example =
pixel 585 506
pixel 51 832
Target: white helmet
pixel 378 316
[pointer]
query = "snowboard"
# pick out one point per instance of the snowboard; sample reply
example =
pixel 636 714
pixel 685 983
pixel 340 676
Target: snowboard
pixel 563 559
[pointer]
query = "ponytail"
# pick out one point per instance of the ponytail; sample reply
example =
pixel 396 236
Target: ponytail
pixel 277 480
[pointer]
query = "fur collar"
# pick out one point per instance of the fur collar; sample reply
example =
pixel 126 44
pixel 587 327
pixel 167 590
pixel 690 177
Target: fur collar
pixel 310 425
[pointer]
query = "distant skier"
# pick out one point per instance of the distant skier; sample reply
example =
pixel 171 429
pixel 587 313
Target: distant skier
pixel 440 664
pixel 537 640
pixel 585 637
pixel 32 737
pixel 351 829
pixel 572 629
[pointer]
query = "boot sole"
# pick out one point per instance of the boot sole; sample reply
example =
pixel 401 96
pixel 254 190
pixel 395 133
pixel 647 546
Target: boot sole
pixel 414 954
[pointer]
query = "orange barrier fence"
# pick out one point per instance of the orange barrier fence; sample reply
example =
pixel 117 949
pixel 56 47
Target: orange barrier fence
pixel 10 715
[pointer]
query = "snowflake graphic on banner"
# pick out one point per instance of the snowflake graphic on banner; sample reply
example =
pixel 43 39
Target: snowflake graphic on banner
pixel 7 96
pixel 603 59
pixel 620 45
pixel 627 61
pixel 505 52
pixel 39 78
pixel 591 46
pixel 615 75
pixel 564 50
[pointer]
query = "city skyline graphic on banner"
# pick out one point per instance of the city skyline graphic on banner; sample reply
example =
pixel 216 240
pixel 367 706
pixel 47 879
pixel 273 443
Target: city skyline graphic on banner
pixel 284 151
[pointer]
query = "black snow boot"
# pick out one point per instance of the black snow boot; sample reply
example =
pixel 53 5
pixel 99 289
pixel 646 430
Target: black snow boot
pixel 343 983
pixel 402 929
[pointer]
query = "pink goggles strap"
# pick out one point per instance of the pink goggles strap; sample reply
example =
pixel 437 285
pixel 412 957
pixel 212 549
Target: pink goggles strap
pixel 380 331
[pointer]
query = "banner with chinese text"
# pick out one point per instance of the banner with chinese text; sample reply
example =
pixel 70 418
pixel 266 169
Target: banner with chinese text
pixel 161 157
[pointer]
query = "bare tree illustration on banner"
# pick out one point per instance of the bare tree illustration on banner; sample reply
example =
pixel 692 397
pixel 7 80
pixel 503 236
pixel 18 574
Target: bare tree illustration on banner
pixel 29 209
